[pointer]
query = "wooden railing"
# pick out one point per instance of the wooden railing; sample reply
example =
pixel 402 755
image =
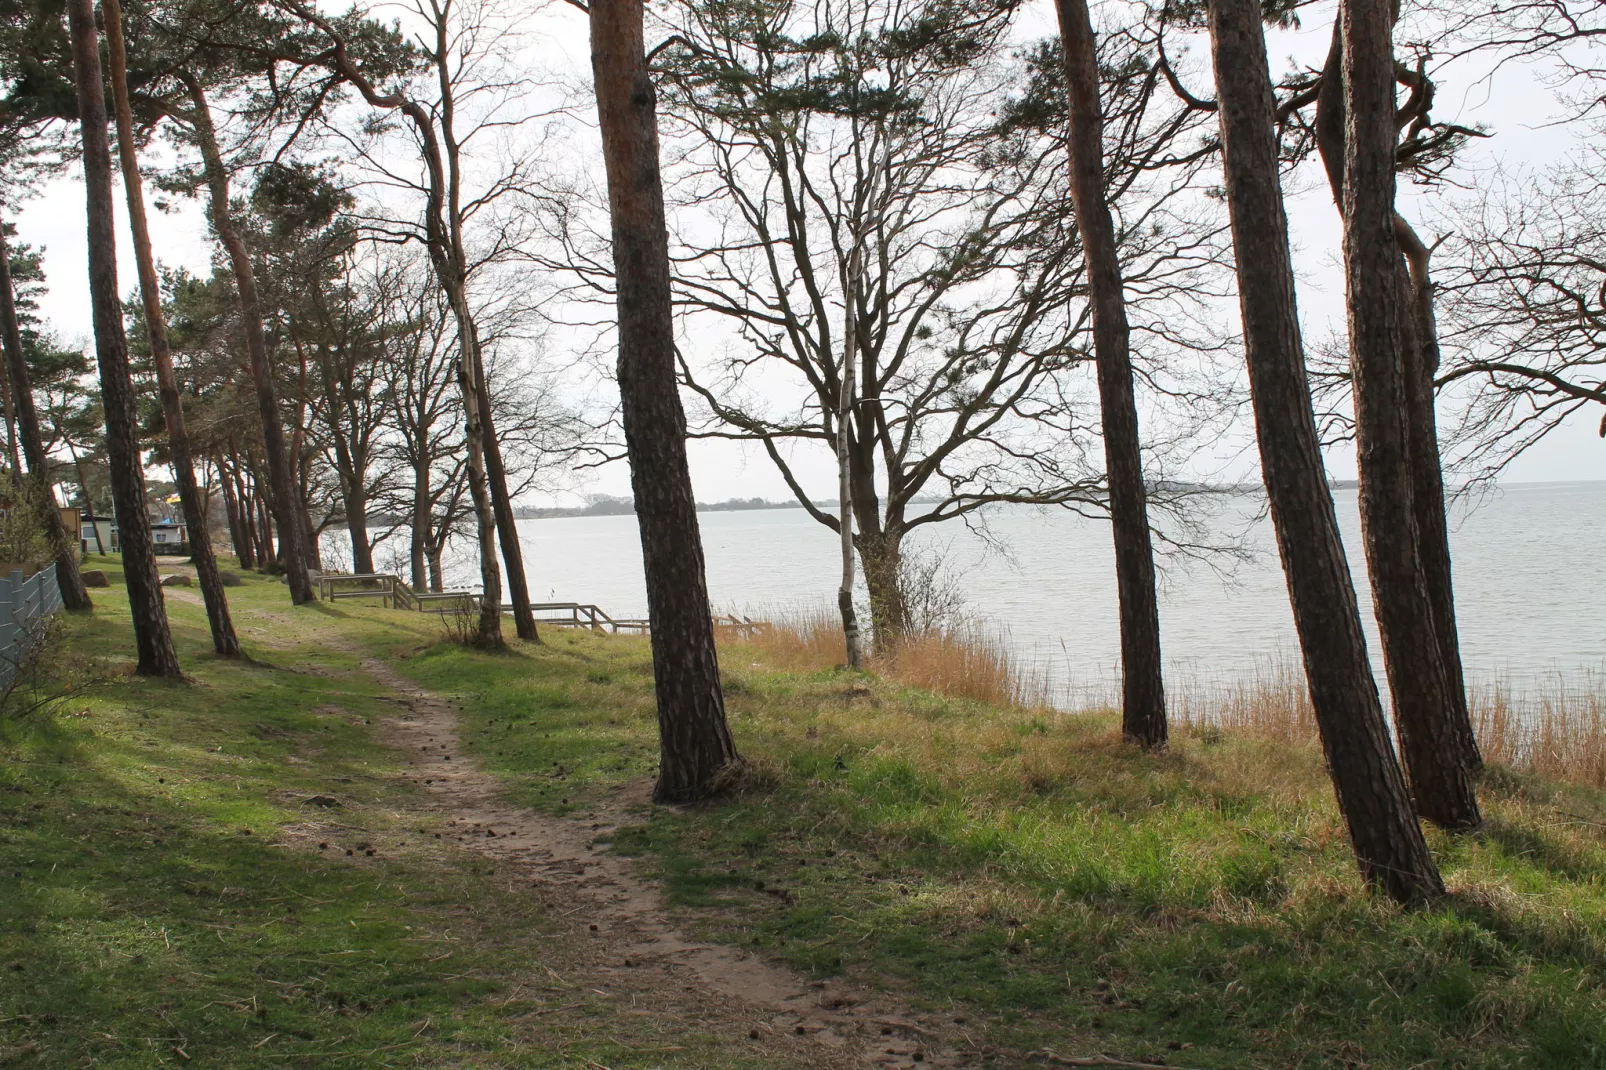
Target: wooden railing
pixel 393 592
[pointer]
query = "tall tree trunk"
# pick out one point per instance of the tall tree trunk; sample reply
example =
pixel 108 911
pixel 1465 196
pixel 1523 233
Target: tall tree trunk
pixel 152 638
pixel 1143 718
pixel 844 455
pixel 286 505
pixel 1388 842
pixel 489 635
pixel 1378 331
pixel 421 527
pixel 224 641
pixel 1427 489
pixel 518 584
pixel 64 548
pixel 696 752
pixel 1420 357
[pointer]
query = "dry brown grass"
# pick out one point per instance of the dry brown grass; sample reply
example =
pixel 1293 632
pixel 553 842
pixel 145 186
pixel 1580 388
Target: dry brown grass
pixel 1558 732
pixel 966 662
pixel 1272 704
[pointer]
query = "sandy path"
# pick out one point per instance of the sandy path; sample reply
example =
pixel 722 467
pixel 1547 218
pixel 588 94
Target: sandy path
pixel 625 918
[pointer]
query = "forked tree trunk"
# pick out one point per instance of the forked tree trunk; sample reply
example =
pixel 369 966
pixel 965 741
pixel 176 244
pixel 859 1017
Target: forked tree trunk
pixel 224 641
pixel 1388 842
pixel 285 495
pixel 1143 718
pixel 696 751
pixel 152 638
pixel 64 547
pixel 1380 330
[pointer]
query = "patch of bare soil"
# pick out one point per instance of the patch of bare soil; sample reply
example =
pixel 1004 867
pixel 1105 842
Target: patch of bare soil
pixel 602 903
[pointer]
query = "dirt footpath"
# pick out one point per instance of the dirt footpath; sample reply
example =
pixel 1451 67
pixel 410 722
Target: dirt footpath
pixel 652 967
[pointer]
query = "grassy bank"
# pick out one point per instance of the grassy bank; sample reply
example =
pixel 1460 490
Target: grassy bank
pixel 1058 889
pixel 166 899
pixel 230 871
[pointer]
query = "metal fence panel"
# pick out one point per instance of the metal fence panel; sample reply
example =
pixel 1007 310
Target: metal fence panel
pixel 23 601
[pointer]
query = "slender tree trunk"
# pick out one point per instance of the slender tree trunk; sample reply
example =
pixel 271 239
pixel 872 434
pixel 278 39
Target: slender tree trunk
pixel 231 512
pixel 65 550
pixel 5 376
pixel 152 638
pixel 518 584
pixel 286 504
pixel 420 533
pixel 224 641
pixel 301 467
pixel 489 635
pixel 1143 718
pixel 1378 330
pixel 267 546
pixel 844 453
pixel 83 490
pixel 696 752
pixel 1388 842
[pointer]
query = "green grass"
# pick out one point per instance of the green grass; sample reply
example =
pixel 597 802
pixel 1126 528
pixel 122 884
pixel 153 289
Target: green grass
pixel 164 899
pixel 1019 870
pixel 1056 888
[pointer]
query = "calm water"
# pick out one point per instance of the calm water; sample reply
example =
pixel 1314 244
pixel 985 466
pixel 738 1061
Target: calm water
pixel 1530 591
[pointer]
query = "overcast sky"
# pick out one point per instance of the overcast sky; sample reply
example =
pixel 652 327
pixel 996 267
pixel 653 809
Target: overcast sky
pixel 1513 103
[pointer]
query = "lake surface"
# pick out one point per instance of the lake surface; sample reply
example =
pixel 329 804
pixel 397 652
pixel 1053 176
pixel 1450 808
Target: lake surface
pixel 1530 588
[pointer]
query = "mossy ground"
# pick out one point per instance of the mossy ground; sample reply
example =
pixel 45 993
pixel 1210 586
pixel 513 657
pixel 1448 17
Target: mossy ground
pixel 1021 870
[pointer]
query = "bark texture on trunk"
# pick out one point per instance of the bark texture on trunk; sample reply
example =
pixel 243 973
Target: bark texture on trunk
pixel 697 754
pixel 286 502
pixel 64 545
pixel 1388 841
pixel 881 558
pixel 1379 326
pixel 152 637
pixel 224 641
pixel 1143 718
